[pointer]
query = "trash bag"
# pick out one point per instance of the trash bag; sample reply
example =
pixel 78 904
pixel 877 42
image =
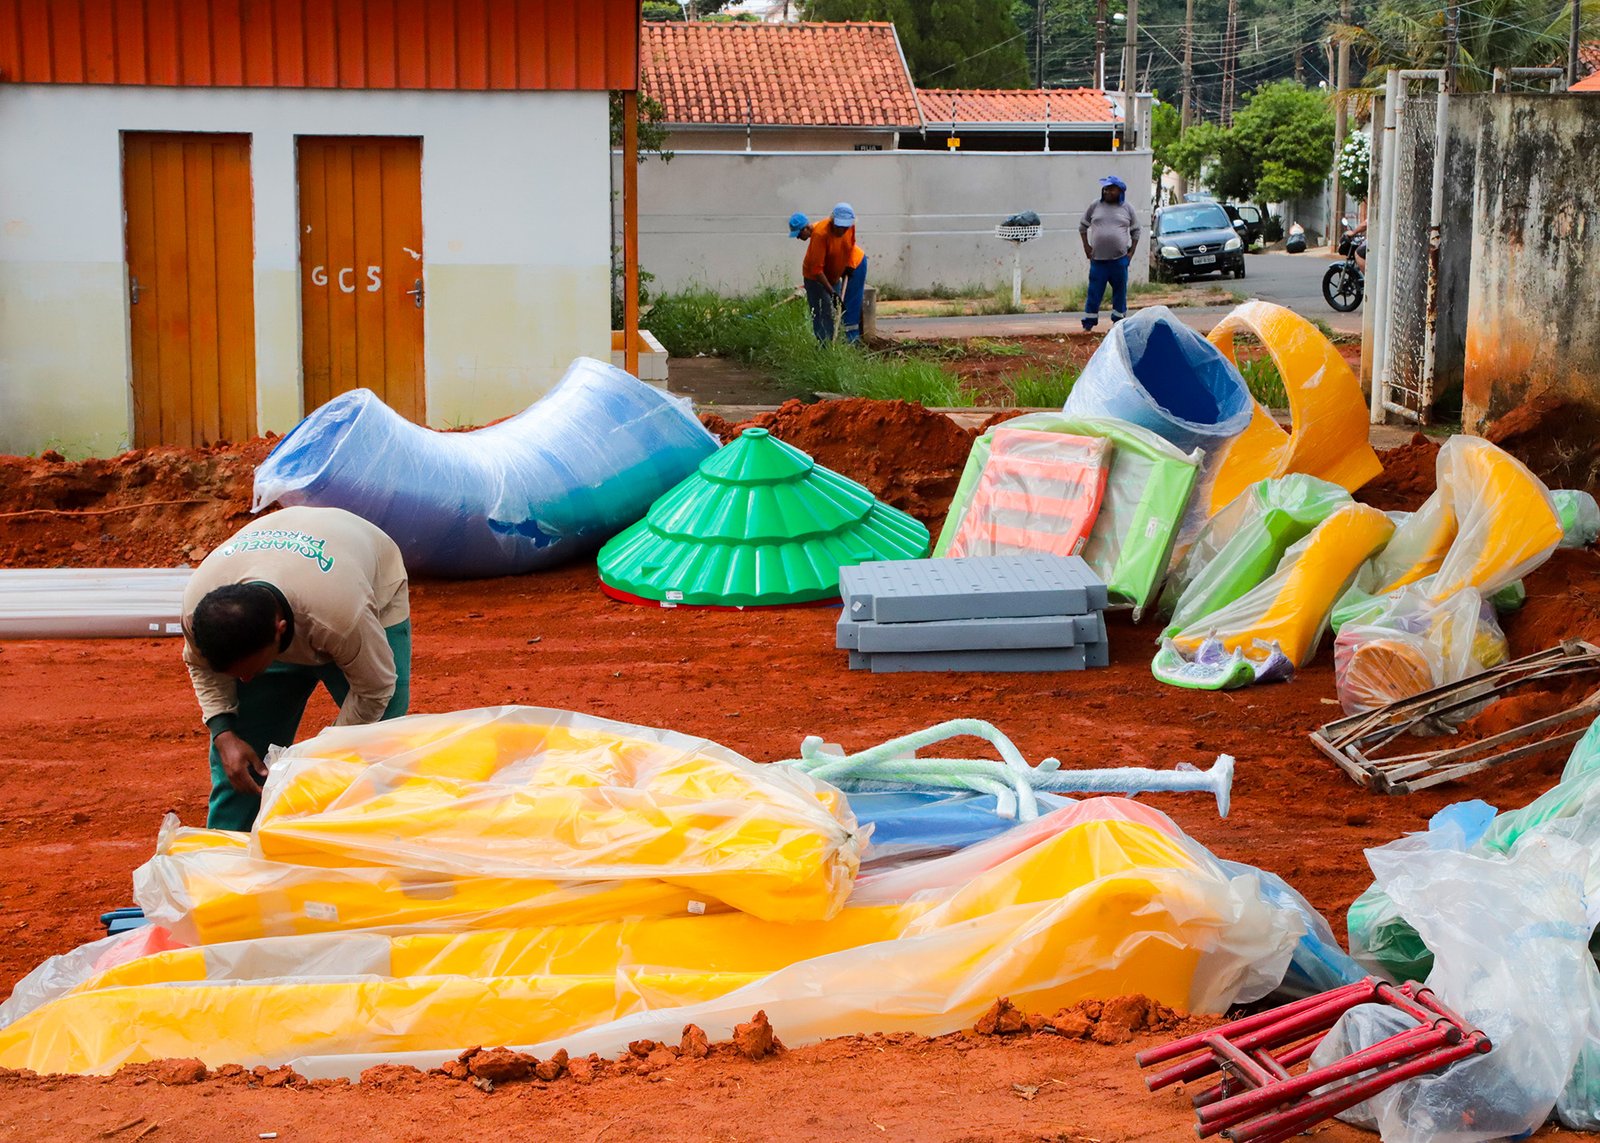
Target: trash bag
pixel 1242 544
pixel 1146 495
pixel 1510 940
pixel 1156 372
pixel 1023 218
pixel 1580 517
pixel 548 485
pixel 1408 643
pixel 1296 242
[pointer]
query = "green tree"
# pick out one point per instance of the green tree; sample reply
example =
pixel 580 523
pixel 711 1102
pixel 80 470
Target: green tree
pixel 1165 129
pixel 1193 152
pixel 1490 34
pixel 652 134
pixel 948 43
pixel 661 11
pixel 1280 146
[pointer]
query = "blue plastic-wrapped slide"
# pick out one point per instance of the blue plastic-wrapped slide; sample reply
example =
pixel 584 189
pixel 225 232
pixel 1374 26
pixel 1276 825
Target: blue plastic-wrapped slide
pixel 1155 371
pixel 550 484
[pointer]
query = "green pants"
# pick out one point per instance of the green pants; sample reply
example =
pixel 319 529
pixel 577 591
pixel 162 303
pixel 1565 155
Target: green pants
pixel 271 706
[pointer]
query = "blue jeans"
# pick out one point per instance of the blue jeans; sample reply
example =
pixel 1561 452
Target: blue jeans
pixel 270 708
pixel 820 299
pixel 1104 272
pixel 855 293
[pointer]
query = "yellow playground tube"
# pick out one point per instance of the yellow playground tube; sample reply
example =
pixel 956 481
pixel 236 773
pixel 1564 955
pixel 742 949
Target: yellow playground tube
pixel 1328 416
pixel 1098 902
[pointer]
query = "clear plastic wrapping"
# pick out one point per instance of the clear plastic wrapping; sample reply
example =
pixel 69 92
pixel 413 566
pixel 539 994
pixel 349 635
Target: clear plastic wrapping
pixel 1101 898
pixel 1242 544
pixel 1039 492
pixel 1147 493
pixel 548 485
pixel 525 793
pixel 1407 643
pixel 1580 517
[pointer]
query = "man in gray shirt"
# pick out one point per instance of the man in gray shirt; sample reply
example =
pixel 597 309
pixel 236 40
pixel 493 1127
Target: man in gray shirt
pixel 1110 233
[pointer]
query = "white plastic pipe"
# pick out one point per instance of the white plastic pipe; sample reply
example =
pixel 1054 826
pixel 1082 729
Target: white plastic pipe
pixel 91 603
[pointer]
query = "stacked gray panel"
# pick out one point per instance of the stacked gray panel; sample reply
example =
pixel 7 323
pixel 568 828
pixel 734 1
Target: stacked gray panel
pixel 1031 612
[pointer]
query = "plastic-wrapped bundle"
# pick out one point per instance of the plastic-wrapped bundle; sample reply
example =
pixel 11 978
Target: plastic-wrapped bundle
pixel 1039 492
pixel 1277 624
pixel 91 603
pixel 1580 517
pixel 520 792
pixel 1408 643
pixel 1090 901
pixel 1146 495
pixel 1243 544
pixel 1154 371
pixel 548 485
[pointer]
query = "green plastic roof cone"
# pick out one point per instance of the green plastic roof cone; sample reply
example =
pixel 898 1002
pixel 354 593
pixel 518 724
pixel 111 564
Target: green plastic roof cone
pixel 760 524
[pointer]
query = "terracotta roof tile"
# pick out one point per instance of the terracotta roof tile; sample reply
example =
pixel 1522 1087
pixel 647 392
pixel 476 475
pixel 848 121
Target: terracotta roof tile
pixel 1589 83
pixel 1023 108
pixel 1588 58
pixel 789 75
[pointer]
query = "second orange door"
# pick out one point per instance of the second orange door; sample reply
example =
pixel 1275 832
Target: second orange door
pixel 361 282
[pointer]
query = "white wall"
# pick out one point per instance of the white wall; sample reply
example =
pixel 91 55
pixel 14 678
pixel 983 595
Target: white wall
pixel 925 218
pixel 515 245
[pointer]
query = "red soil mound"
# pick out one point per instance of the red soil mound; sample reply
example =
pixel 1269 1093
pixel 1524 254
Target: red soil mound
pixel 1408 477
pixel 1558 439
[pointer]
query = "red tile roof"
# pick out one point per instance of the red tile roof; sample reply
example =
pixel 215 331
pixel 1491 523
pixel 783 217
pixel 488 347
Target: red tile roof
pixel 1030 108
pixel 785 75
pixel 1588 58
pixel 1588 83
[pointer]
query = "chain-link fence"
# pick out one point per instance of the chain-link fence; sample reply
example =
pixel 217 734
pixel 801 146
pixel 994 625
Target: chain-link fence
pixel 1409 327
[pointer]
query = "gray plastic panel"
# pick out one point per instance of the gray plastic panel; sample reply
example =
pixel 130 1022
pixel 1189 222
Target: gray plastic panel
pixel 1060 659
pixel 972 587
pixel 973 634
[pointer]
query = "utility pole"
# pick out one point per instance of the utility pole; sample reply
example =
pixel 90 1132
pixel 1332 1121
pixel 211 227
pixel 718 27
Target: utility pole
pixel 1451 39
pixel 1230 56
pixel 1038 43
pixel 1341 108
pixel 1572 43
pixel 1186 113
pixel 1100 45
pixel 1130 77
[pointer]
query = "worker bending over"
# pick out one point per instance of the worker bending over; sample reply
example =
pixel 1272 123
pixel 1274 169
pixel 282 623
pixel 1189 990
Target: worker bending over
pixel 302 597
pixel 835 271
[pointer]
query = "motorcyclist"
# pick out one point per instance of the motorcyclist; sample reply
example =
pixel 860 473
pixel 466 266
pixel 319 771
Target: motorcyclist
pixel 1358 246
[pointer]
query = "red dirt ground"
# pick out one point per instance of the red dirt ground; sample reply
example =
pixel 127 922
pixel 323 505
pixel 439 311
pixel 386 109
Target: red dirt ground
pixel 101 738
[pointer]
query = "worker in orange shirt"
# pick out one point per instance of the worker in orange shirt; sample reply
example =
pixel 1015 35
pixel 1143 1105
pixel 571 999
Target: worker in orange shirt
pixel 835 271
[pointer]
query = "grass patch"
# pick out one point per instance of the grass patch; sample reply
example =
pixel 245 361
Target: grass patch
pixel 772 331
pixel 997 348
pixel 1043 388
pixel 1264 382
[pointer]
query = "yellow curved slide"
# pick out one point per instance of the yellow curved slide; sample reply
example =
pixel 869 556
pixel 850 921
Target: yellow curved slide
pixel 1097 908
pixel 1328 416
pixel 1290 608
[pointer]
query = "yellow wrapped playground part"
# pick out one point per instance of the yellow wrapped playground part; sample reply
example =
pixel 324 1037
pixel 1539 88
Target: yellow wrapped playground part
pixel 1489 521
pixel 525 793
pixel 1328 417
pixel 1099 899
pixel 1290 608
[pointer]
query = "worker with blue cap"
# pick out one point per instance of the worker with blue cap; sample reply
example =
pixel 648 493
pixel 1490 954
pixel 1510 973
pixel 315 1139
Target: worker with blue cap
pixel 835 271
pixel 1110 233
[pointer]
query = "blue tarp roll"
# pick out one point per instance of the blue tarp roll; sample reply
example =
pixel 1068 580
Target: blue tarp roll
pixel 548 485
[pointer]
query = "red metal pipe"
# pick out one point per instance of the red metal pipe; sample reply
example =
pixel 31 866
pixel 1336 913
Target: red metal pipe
pixel 1283 1125
pixel 1241 1065
pixel 1182 1047
pixel 1302 1023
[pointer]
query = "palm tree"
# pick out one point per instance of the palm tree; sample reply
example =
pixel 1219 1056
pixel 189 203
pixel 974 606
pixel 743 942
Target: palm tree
pixel 1490 34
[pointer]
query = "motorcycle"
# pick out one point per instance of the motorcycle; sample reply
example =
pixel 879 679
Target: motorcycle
pixel 1344 283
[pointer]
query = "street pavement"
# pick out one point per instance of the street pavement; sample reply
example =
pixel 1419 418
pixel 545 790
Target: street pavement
pixel 1292 280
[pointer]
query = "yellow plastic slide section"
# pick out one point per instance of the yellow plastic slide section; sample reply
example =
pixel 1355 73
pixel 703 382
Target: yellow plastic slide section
pixel 1291 607
pixel 1507 523
pixel 524 793
pixel 1102 908
pixel 1328 416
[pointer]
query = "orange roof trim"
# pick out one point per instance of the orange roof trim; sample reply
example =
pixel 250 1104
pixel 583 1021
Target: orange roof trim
pixel 463 45
pixel 1029 108
pixel 779 75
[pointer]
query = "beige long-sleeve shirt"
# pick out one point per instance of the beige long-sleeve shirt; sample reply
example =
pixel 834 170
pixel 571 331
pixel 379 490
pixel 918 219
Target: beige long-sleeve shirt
pixel 344 581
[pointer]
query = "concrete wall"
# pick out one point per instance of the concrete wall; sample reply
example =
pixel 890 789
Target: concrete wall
pixel 925 219
pixel 515 245
pixel 1531 325
pixel 777 139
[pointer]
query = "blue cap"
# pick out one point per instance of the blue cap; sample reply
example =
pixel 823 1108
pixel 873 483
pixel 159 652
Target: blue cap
pixel 1113 181
pixel 844 215
pixel 797 223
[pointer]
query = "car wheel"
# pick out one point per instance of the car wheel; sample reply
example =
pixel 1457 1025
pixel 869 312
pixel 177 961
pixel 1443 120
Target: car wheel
pixel 1239 273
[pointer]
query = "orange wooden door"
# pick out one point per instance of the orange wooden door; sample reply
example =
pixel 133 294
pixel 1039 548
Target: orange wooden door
pixel 192 314
pixel 361 293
